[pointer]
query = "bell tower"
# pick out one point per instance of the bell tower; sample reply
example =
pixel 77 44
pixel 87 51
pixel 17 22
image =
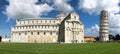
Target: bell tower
pixel 103 31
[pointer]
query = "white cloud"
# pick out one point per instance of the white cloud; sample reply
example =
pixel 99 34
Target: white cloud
pixel 29 9
pixel 114 24
pixel 95 7
pixel 63 5
pixel 88 5
pixel 26 9
pixel 93 31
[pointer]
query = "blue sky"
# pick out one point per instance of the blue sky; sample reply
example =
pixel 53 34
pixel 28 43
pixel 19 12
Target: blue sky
pixel 87 10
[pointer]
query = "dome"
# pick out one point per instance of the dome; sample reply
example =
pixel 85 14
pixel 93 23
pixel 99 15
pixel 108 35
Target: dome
pixel 61 14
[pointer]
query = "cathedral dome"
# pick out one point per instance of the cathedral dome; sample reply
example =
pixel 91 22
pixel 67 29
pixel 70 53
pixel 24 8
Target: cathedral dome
pixel 61 15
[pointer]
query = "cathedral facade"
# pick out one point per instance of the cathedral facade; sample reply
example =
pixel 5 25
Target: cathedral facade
pixel 63 28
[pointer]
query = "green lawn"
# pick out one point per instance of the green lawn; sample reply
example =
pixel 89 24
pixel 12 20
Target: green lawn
pixel 37 48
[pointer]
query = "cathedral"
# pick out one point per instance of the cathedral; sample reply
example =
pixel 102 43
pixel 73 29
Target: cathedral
pixel 64 28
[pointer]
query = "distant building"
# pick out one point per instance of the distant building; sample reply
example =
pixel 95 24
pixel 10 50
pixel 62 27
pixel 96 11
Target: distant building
pixel 5 39
pixel 89 39
pixel 64 28
pixel 104 33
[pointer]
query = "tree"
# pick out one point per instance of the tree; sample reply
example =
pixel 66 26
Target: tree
pixel 111 37
pixel 117 37
pixel 97 38
pixel 0 38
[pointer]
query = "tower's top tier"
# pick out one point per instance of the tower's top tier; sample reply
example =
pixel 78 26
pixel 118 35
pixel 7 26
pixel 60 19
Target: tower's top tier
pixel 104 13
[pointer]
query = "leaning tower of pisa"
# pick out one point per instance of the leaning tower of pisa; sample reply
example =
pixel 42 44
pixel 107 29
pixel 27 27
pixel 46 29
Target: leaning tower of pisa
pixel 104 33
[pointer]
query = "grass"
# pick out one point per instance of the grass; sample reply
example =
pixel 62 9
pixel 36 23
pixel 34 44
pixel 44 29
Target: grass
pixel 37 48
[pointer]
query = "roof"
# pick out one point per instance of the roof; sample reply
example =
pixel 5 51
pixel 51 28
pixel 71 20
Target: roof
pixel 89 37
pixel 38 19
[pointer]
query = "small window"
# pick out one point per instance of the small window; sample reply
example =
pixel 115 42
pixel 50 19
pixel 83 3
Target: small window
pixel 32 21
pixel 45 21
pixel 27 27
pixel 39 26
pixel 56 33
pixel 19 33
pixel 38 33
pixel 32 27
pixel 53 26
pixel 20 22
pixel 35 26
pixel 25 33
pixel 50 33
pixel 20 27
pixel 23 27
pixel 44 33
pixel 75 17
pixel 54 21
pixel 48 26
pixel 56 27
pixel 31 33
pixel 37 21
pixel 28 22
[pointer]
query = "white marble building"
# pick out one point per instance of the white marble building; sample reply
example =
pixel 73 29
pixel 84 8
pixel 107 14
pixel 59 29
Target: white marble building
pixel 5 39
pixel 64 28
